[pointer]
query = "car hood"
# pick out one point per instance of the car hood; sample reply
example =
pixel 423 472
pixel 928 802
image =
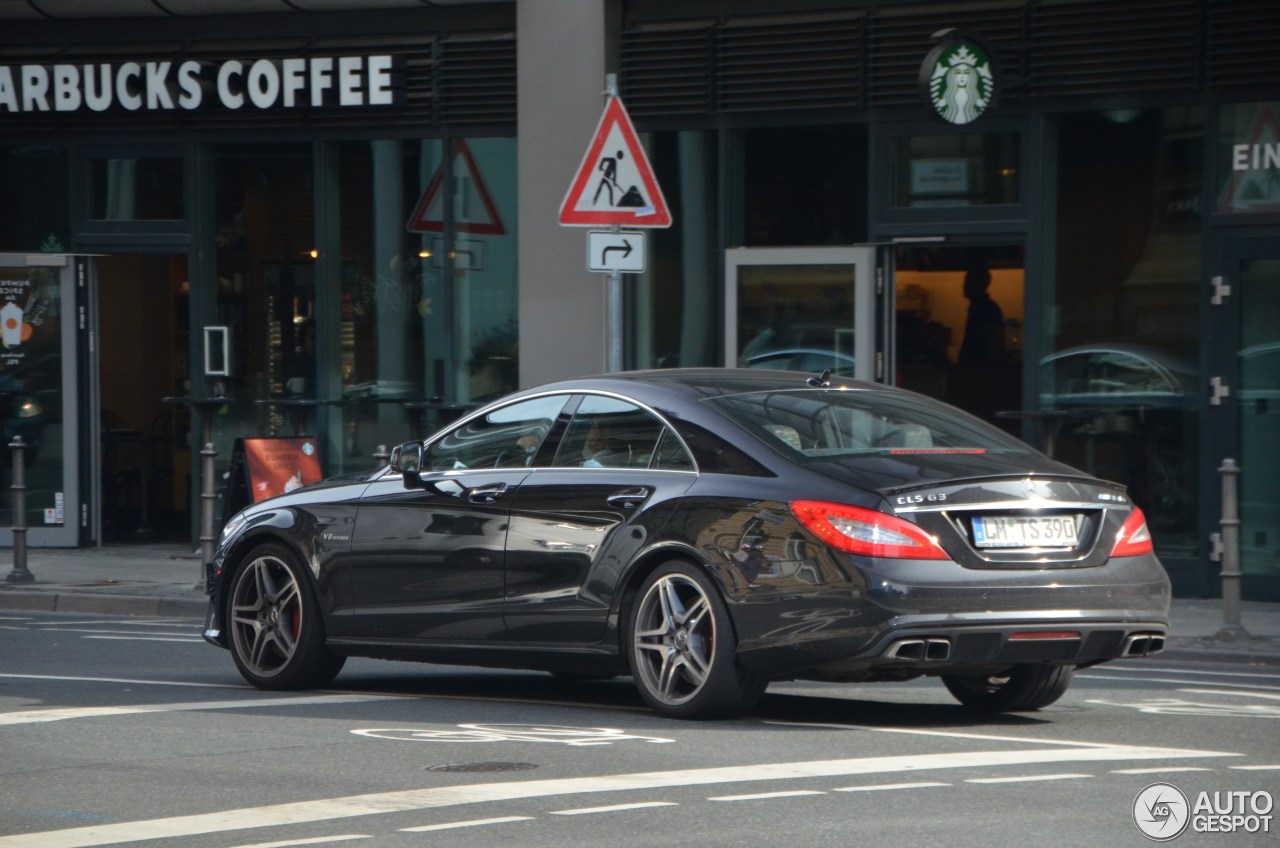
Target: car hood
pixel 892 472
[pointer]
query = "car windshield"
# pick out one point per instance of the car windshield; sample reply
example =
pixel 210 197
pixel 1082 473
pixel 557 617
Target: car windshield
pixel 822 423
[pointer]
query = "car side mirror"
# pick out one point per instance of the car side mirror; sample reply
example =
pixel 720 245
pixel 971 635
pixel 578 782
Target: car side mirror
pixel 407 459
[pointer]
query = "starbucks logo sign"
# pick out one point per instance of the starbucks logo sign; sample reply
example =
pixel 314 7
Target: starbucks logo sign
pixel 957 79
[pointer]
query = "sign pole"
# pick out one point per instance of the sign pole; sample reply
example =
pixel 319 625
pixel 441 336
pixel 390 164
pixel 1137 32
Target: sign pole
pixel 614 328
pixel 613 292
pixel 615 187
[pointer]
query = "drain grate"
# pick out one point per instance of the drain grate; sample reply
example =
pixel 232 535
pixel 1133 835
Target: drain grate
pixel 484 767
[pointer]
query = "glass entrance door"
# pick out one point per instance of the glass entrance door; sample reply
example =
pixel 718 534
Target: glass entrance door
pixel 140 306
pixel 1253 272
pixel 807 309
pixel 38 344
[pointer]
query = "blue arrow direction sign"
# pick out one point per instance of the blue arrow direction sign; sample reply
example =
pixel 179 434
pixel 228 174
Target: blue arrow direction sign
pixel 609 251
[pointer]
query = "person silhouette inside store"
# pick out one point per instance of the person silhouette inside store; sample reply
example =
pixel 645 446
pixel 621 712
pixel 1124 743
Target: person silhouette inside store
pixel 983 342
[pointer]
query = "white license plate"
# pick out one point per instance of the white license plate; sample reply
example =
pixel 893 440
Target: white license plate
pixel 1045 531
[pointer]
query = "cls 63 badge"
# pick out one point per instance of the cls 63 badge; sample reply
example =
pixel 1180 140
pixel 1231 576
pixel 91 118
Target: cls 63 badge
pixel 908 500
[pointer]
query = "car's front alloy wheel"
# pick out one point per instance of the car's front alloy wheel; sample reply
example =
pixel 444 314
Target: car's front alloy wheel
pixel 277 638
pixel 683 650
pixel 1017 689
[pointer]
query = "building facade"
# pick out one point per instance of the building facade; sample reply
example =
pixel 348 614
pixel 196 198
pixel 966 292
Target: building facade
pixel 233 219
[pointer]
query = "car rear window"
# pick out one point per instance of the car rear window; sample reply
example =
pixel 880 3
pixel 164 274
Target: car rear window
pixel 846 422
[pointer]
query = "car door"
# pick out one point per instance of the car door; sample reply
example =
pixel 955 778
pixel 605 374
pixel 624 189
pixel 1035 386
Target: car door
pixel 427 557
pixel 617 475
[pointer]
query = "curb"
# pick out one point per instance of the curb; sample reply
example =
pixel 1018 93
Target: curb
pixel 77 602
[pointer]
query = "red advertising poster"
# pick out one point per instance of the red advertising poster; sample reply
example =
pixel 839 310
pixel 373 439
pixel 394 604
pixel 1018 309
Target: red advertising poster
pixel 276 466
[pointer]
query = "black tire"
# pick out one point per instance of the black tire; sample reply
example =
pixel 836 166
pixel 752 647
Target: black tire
pixel 277 637
pixel 682 648
pixel 1021 688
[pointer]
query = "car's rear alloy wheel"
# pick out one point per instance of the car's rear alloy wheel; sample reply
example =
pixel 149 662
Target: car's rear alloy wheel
pixel 683 650
pixel 277 638
pixel 1018 689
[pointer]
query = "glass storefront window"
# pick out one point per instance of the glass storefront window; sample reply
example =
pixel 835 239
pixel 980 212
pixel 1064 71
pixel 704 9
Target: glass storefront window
pixel 136 189
pixel 1249 158
pixel 1119 371
pixel 40 223
pixel 674 302
pixel 786 186
pixel 973 169
pixel 427 296
pixel 802 186
pixel 265 287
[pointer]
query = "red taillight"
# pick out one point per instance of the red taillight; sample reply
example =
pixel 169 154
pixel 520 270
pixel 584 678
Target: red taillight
pixel 865 531
pixel 1134 538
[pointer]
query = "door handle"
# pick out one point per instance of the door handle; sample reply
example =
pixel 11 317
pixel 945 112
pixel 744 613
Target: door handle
pixel 486 494
pixel 629 498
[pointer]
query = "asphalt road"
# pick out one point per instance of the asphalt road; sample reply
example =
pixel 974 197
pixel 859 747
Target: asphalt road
pixel 133 731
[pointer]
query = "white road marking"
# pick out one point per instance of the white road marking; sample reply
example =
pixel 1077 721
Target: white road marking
pixel 330 809
pixel 1103 671
pixel 1164 770
pixel 65 713
pixel 885 787
pixel 118 632
pixel 946 734
pixel 130 681
pixel 473 823
pixel 1176 682
pixel 1257 768
pixel 189 639
pixel 346 837
pixel 616 808
pixel 1028 778
pixel 761 796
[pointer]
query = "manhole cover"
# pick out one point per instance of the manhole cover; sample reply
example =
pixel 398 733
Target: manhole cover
pixel 485 767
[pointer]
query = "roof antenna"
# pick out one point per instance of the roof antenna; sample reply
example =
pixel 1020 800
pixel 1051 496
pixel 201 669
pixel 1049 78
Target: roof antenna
pixel 821 381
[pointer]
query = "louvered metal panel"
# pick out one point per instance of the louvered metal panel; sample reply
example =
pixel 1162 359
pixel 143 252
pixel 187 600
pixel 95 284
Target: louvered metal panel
pixel 900 39
pixel 1244 39
pixel 477 80
pixel 1090 47
pixel 666 69
pixel 787 63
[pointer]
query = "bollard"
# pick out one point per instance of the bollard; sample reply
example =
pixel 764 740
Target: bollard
pixel 208 500
pixel 20 574
pixel 383 456
pixel 1232 630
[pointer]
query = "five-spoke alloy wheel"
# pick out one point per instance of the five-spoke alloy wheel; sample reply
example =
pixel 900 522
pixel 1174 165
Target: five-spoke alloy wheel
pixel 683 647
pixel 277 638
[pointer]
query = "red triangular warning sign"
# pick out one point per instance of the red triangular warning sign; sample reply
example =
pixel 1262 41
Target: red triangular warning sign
pixel 428 215
pixel 615 184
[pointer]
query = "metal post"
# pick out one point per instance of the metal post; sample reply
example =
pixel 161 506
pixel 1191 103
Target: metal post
pixel 1233 630
pixel 613 292
pixel 383 456
pixel 20 574
pixel 614 323
pixel 208 500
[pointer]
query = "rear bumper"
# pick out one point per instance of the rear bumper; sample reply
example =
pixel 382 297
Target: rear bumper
pixel 936 617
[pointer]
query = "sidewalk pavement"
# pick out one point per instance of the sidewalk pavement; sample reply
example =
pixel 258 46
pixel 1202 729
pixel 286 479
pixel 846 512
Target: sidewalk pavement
pixel 167 581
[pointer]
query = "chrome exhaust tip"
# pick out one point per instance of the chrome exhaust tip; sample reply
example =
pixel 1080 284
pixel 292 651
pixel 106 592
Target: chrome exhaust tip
pixel 1142 645
pixel 919 650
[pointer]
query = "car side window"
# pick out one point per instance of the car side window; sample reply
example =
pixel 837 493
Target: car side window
pixel 507 437
pixel 609 433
